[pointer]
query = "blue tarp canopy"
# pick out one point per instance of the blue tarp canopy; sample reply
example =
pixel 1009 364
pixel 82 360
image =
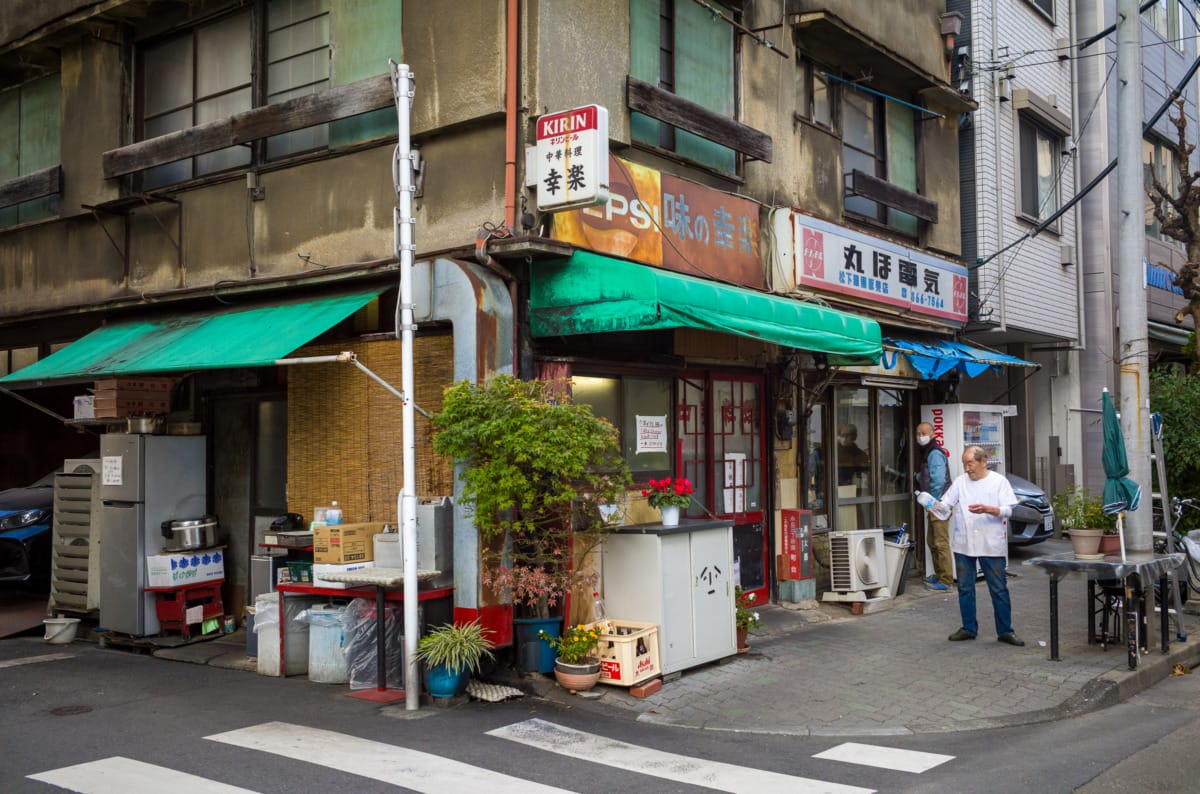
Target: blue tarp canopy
pixel 935 358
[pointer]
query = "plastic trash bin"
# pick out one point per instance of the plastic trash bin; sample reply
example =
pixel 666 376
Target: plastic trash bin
pixel 896 558
pixel 326 642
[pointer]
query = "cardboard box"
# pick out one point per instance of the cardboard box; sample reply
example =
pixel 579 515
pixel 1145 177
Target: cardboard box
pixel 289 538
pixel 185 567
pixel 319 570
pixel 162 386
pixel 84 407
pixel 105 407
pixel 338 544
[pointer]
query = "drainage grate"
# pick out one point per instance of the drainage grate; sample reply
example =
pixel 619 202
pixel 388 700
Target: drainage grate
pixel 68 711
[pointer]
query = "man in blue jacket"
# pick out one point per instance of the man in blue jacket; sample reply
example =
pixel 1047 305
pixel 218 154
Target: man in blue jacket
pixel 933 475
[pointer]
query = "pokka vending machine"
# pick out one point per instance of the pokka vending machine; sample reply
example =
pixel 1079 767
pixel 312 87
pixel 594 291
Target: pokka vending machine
pixel 960 425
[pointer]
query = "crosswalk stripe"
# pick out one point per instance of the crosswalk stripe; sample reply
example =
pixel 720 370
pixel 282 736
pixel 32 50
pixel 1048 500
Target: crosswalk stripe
pixel 46 657
pixel 669 766
pixel 892 758
pixel 388 763
pixel 118 775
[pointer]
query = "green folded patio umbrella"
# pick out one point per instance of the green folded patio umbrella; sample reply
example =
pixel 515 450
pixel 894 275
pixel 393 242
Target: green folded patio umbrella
pixel 1120 492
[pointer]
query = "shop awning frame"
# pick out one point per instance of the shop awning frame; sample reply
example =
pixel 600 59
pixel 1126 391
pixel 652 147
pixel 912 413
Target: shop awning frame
pixel 589 293
pixel 233 337
pixel 934 358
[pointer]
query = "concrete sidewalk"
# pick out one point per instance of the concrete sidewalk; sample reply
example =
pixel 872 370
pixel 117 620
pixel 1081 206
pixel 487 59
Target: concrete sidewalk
pixel 823 671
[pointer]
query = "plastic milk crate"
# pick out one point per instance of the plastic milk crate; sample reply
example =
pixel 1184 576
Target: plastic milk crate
pixel 628 652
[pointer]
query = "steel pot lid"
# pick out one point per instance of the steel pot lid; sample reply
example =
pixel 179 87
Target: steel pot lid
pixel 190 523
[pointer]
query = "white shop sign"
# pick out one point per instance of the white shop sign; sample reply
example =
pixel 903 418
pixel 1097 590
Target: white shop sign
pixel 572 158
pixel 829 257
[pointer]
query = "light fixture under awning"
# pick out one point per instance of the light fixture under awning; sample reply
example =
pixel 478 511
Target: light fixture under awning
pixel 226 338
pixel 935 358
pixel 590 294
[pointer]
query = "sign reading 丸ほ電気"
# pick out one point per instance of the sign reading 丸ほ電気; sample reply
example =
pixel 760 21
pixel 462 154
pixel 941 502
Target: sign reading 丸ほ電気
pixel 572 158
pixel 837 259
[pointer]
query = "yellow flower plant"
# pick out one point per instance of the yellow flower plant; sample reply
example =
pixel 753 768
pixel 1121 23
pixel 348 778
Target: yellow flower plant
pixel 576 645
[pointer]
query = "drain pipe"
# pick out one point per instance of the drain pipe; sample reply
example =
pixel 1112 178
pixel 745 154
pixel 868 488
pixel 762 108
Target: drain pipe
pixel 511 87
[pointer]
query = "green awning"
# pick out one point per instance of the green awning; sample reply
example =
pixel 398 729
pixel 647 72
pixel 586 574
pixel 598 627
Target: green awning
pixel 220 339
pixel 593 294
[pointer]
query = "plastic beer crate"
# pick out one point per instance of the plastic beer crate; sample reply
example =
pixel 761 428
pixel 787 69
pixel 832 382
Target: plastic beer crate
pixel 628 652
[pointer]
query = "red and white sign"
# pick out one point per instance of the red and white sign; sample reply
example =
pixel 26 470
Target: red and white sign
pixel 826 256
pixel 572 158
pixel 796 534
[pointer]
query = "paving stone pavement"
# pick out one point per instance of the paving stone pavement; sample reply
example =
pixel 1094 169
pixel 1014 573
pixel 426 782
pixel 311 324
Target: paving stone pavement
pixel 823 671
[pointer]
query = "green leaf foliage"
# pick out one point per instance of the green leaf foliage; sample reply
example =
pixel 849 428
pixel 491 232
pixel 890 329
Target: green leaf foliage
pixel 1081 509
pixel 455 647
pixel 1176 397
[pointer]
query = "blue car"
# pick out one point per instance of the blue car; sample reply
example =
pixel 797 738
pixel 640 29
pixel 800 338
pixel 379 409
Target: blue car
pixel 25 540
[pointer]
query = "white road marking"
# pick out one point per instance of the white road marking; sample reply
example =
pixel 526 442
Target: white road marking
pixel 389 763
pixel 119 775
pixel 669 766
pixel 46 657
pixel 884 757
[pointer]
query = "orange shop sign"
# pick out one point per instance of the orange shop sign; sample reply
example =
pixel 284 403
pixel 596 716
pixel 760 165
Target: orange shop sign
pixel 660 219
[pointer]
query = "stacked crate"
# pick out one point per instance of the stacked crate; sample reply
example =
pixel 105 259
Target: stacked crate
pixel 117 398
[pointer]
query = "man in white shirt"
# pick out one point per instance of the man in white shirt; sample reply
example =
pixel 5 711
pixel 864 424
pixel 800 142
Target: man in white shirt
pixel 980 536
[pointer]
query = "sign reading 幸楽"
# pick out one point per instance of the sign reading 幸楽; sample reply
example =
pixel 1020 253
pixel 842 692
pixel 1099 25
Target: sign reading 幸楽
pixel 572 158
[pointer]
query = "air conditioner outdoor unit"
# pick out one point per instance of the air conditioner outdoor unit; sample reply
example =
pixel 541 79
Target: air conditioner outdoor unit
pixel 856 561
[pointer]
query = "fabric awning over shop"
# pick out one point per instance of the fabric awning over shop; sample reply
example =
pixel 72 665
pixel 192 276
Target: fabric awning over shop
pixel 226 338
pixel 935 358
pixel 590 294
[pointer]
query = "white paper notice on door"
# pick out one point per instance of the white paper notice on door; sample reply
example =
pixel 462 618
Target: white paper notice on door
pixel 651 434
pixel 735 482
pixel 110 470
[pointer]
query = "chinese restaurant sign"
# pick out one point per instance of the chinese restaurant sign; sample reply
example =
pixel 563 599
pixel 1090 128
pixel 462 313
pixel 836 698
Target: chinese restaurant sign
pixel 830 257
pixel 659 219
pixel 572 158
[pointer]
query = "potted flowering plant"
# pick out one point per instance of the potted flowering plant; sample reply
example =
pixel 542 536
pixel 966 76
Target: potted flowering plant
pixel 575 668
pixel 745 619
pixel 670 496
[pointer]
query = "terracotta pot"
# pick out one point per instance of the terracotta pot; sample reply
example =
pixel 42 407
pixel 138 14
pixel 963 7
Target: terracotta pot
pixel 1110 544
pixel 577 677
pixel 742 645
pixel 1085 542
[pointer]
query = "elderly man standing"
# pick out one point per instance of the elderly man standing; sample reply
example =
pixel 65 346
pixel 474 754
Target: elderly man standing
pixel 980 536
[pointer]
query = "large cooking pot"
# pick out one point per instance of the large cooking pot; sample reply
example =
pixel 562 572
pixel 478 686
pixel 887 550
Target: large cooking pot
pixel 185 534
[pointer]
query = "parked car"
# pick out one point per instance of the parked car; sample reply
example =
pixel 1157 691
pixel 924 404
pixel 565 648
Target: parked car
pixel 1032 518
pixel 25 515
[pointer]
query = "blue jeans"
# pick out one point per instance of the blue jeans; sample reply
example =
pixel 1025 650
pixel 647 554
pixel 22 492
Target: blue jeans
pixel 997 583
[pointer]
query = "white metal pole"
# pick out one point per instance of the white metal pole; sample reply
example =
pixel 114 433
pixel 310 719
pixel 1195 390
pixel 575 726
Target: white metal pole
pixel 1132 352
pixel 404 223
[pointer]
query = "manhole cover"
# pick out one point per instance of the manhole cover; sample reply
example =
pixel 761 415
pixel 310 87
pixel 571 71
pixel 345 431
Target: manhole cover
pixel 67 711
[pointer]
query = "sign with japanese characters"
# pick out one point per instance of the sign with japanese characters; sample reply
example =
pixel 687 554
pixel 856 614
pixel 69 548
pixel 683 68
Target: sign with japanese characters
pixel 829 257
pixel 796 534
pixel 651 434
pixel 659 219
pixel 572 158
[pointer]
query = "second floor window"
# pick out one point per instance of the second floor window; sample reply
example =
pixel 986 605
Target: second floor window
pixel 1163 16
pixel 1038 169
pixel 879 139
pixel 1158 162
pixel 683 48
pixel 30 140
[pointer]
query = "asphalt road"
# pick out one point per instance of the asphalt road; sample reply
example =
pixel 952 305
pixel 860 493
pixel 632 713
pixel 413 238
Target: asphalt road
pixel 236 729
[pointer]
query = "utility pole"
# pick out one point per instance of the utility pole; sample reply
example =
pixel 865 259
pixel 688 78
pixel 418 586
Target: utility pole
pixel 1131 353
pixel 403 224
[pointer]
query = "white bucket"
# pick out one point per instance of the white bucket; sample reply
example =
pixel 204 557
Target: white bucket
pixel 60 631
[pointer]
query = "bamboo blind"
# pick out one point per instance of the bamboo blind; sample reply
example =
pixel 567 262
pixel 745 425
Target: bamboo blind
pixel 345 430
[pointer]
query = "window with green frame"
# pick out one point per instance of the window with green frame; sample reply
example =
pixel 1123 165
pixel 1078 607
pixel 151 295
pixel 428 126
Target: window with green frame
pixel 879 139
pixel 681 47
pixel 30 140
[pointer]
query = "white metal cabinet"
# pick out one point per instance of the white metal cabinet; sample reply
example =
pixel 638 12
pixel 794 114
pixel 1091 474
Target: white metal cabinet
pixel 680 578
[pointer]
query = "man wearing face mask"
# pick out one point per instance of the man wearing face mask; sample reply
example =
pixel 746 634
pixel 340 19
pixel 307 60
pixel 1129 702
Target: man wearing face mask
pixel 852 459
pixel 933 475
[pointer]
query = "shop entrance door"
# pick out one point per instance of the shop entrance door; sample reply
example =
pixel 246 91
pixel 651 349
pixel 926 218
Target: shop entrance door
pixel 719 423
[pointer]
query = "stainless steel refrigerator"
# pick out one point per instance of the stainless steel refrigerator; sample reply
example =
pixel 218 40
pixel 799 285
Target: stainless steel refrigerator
pixel 145 480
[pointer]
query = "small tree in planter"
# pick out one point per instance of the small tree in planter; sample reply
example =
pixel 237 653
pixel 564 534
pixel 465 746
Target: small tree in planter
pixel 535 471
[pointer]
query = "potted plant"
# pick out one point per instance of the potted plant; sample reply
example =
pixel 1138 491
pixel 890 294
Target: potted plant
pixel 745 619
pixel 669 496
pixel 535 469
pixel 1083 517
pixel 451 653
pixel 576 668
